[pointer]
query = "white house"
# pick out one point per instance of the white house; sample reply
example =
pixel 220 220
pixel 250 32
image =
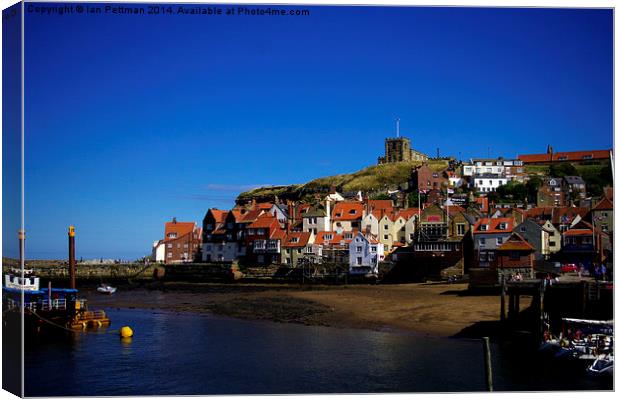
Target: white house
pixel 159 251
pixel 365 253
pixel 316 219
pixel 370 223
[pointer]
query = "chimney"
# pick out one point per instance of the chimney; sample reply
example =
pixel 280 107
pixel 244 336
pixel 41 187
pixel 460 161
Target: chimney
pixel 174 220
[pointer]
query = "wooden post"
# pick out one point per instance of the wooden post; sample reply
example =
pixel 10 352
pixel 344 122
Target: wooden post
pixel 502 302
pixel 488 370
pixel 71 257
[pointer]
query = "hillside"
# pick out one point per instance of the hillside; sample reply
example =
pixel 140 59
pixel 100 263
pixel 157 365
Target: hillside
pixel 372 178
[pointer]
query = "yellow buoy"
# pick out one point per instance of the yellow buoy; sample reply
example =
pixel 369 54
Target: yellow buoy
pixel 126 332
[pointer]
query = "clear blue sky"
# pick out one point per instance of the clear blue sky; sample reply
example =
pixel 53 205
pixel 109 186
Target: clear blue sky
pixel 131 120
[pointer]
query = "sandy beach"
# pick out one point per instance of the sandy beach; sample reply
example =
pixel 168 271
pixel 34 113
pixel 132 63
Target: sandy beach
pixel 433 309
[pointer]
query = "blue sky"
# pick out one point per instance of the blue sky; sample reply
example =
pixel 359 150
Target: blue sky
pixel 131 120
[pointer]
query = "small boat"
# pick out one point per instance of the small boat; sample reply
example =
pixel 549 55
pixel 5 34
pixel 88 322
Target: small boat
pixel 603 366
pixel 106 289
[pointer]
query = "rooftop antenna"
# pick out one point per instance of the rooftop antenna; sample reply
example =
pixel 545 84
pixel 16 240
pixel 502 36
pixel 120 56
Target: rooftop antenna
pixel 397 127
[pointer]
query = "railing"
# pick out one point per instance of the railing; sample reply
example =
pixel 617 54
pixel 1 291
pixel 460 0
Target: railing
pixel 55 304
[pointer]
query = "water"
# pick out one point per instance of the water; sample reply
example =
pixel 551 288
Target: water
pixel 185 353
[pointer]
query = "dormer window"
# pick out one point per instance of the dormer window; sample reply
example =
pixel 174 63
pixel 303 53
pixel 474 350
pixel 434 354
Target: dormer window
pixel 172 235
pixel 587 156
pixel 352 212
pixel 484 227
pixel 348 236
pixel 502 226
pixel 295 239
pixel 562 158
pixel 328 236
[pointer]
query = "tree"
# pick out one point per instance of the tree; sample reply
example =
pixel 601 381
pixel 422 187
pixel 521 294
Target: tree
pixel 532 186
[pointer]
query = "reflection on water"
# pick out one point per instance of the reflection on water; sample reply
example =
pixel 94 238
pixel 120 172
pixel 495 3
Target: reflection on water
pixel 173 353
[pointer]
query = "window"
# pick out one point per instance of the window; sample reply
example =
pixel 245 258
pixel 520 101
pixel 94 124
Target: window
pixel 250 231
pixel 499 240
pixel 604 214
pixel 359 260
pixel 169 245
pixel 170 254
pixel 172 235
pixel 385 227
pixel 184 245
pixel 604 227
pixel 229 236
pixel 385 237
pixel 288 261
pixel 587 157
pixel 260 259
pixel 179 245
pixel 502 226
pixel 352 211
pixel 299 250
pixel 209 226
pixel 349 236
pixel 358 249
pixel 295 239
pixel 260 231
pixel 562 158
pixel 514 255
pixel 411 236
pixel 230 225
pixel 328 237
pixel 482 241
pixel 208 248
pixel 373 248
pixel 484 227
pixel 460 229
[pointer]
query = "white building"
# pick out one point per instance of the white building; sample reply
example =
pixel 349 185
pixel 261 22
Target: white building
pixel 365 253
pixel 487 175
pixel 159 251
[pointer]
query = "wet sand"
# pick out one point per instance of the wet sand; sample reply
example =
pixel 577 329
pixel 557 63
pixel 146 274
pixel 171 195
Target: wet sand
pixel 433 309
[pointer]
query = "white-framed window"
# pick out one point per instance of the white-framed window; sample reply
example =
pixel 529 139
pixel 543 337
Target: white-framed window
pixel 499 240
pixel 373 248
pixel 460 229
pixel 359 260
pixel 358 249
pixel 169 245
pixel 185 245
pixel 170 254
pixel 482 242
pixel 172 235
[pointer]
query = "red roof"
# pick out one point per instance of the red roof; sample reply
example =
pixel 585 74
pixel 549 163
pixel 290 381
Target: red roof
pixel 180 228
pixel 251 215
pixel 565 156
pixel 296 239
pixel 578 232
pixel 336 239
pixel 516 243
pixel 408 213
pixel 347 210
pixel 604 205
pixel 493 225
pixel 218 215
pixel 264 221
pixel 381 204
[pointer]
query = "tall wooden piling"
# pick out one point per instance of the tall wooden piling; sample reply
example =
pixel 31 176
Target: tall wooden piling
pixel 488 369
pixel 22 246
pixel 502 301
pixel 71 257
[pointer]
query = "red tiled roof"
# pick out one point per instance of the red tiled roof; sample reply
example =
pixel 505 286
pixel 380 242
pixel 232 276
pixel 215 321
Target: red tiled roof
pixel 381 204
pixel 407 213
pixel 493 225
pixel 302 238
pixel 264 221
pixel 251 216
pixel 604 205
pixel 180 228
pixel 278 234
pixel 578 232
pixel 218 214
pixel 565 156
pixel 516 243
pixel 347 210
pixel 336 238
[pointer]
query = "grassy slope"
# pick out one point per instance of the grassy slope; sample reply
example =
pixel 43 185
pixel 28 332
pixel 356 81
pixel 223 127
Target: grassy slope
pixel 368 179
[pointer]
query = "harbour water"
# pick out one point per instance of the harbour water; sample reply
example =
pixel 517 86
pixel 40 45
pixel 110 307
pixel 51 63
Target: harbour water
pixel 187 353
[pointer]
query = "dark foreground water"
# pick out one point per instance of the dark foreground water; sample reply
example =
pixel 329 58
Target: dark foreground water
pixel 174 353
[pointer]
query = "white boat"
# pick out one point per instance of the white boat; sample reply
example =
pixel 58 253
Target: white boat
pixel 603 366
pixel 106 289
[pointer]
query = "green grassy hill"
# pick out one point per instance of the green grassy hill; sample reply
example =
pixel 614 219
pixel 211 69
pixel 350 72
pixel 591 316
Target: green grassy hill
pixel 372 178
